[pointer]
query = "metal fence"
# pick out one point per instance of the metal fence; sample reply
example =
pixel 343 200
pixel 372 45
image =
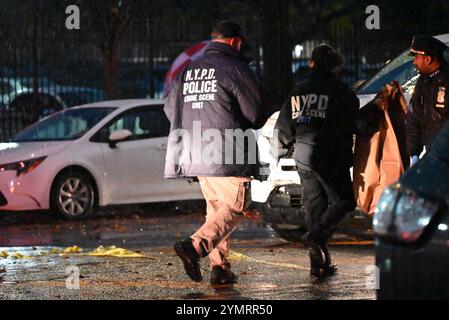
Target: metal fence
pixel 44 67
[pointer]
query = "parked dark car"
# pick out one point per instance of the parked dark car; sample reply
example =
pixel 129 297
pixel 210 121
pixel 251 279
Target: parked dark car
pixel 411 224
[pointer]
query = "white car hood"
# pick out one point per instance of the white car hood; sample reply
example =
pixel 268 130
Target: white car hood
pixel 365 98
pixel 19 151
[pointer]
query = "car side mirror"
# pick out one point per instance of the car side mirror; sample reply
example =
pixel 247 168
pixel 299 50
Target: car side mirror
pixel 118 136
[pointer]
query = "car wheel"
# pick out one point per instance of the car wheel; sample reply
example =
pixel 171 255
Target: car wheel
pixel 73 195
pixel 292 235
pixel 287 222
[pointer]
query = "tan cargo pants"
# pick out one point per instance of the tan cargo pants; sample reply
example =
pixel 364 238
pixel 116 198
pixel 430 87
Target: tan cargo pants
pixel 227 198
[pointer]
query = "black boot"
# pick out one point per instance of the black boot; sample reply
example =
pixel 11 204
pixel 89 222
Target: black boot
pixel 329 269
pixel 317 261
pixel 320 259
pixel 218 276
pixel 316 255
pixel 190 258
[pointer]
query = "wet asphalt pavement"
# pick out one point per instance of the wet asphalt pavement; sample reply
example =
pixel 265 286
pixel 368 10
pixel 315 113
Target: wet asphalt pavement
pixel 267 266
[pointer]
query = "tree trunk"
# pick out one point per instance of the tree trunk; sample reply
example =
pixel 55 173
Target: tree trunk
pixel 32 116
pixel 110 64
pixel 110 53
pixel 111 22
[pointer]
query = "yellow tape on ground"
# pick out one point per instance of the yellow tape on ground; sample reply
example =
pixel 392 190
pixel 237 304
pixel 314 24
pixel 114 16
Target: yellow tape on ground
pixel 234 255
pixel 113 251
pixel 101 251
pixel 240 256
pixel 353 243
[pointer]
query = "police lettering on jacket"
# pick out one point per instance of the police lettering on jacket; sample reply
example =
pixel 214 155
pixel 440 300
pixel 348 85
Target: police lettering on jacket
pixel 199 85
pixel 309 106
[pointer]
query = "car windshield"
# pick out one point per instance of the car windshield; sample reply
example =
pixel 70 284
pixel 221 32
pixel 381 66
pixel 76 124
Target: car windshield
pixel 69 124
pixel 401 69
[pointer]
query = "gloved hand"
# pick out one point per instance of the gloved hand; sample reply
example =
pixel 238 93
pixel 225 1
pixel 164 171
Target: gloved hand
pixel 413 160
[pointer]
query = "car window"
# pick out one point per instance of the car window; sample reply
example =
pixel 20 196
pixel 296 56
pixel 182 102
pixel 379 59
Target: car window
pixel 69 124
pixel 143 122
pixel 401 69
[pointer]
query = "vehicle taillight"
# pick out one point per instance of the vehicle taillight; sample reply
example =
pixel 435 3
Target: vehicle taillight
pixel 403 214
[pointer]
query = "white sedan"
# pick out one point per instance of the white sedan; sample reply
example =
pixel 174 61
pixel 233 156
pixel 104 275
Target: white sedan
pixel 98 154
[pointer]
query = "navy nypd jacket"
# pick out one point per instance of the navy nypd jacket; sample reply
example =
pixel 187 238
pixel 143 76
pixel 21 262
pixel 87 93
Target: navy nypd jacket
pixel 319 118
pixel 212 107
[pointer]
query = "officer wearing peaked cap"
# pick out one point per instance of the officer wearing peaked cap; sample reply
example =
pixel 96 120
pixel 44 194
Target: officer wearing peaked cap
pixel 429 105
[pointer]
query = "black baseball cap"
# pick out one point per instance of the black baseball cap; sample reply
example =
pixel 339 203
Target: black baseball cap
pixel 427 45
pixel 228 29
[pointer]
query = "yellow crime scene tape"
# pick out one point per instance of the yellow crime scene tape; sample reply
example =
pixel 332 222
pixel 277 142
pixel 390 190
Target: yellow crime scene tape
pixel 111 251
pixel 234 255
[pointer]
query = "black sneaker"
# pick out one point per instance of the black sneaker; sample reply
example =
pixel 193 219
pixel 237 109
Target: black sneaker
pixel 218 276
pixel 190 258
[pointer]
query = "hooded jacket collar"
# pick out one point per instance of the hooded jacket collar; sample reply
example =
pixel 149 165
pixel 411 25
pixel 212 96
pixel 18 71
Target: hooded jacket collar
pixel 314 73
pixel 221 48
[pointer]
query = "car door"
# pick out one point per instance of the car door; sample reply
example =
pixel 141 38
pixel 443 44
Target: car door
pixel 135 168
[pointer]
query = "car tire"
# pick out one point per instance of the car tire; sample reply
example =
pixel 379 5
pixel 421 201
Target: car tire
pixel 292 235
pixel 287 222
pixel 73 195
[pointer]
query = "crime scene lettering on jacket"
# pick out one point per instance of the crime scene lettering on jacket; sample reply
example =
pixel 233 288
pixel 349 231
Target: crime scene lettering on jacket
pixel 200 85
pixel 309 106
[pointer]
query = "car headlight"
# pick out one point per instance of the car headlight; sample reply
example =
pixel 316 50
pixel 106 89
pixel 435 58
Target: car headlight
pixel 403 214
pixel 22 167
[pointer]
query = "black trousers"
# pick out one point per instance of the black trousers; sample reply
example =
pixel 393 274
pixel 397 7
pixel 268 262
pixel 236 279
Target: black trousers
pixel 327 196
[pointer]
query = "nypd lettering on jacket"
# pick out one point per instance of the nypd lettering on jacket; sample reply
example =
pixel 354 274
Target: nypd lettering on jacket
pixel 199 85
pixel 309 106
